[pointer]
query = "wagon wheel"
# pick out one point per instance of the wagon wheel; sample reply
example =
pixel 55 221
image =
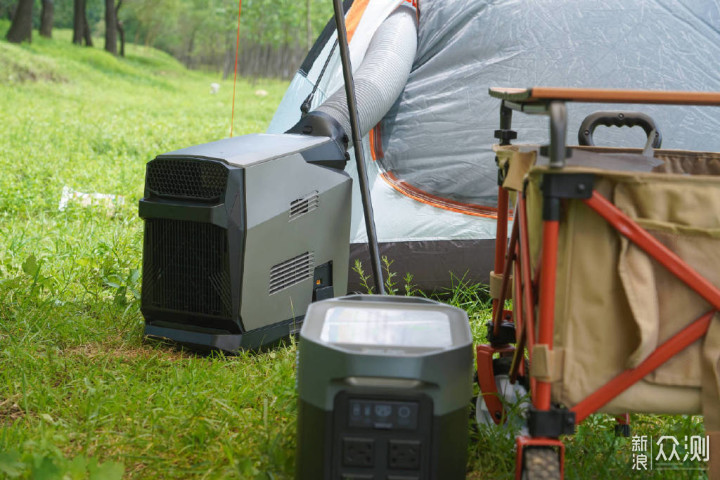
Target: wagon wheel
pixel 512 395
pixel 541 463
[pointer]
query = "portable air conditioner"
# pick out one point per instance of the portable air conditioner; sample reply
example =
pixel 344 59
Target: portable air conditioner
pixel 240 236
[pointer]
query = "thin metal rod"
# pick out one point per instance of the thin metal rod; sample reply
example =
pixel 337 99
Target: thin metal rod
pixel 357 144
pixel 547 302
pixel 558 134
pixel 501 240
pixel 507 272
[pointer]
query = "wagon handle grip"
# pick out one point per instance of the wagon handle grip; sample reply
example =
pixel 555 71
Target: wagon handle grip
pixel 618 119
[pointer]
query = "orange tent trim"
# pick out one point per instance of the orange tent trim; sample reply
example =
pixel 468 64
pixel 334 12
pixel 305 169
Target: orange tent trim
pixel 436 201
pixel 353 17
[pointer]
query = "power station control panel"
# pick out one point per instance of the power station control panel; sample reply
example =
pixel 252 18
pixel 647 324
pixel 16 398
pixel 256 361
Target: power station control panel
pixel 383 415
pixel 382 436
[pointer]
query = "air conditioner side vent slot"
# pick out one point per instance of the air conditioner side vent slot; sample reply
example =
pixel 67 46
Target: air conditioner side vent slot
pixel 304 205
pixel 291 272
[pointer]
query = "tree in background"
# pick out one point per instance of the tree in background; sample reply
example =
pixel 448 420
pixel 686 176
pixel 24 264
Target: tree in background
pixel 81 29
pixel 156 21
pixel 46 18
pixel 110 27
pixel 308 25
pixel 274 34
pixel 21 27
pixel 7 8
pixel 120 29
pixel 64 13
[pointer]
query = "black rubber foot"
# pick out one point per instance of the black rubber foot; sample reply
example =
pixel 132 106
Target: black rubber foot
pixel 622 430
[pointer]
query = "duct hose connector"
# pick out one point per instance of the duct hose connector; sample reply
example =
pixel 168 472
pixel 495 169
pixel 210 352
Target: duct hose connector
pixel 382 75
pixel 379 81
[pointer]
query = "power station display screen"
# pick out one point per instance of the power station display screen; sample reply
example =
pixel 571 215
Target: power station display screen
pixel 382 415
pixel 386 327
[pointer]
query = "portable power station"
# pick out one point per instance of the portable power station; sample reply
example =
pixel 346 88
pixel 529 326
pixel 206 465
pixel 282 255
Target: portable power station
pixel 240 236
pixel 384 385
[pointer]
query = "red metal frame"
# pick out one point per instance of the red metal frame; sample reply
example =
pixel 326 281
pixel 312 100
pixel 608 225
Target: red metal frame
pixel 623 419
pixel 501 237
pixel 515 257
pixel 518 366
pixel 626 379
pixel 675 344
pixel 541 283
pixel 666 257
pixel 499 312
pixel 486 380
pixel 526 334
pixel 547 303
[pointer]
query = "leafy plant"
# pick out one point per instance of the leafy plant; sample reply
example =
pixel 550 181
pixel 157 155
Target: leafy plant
pixel 42 465
pixel 391 284
pixel 125 286
pixel 364 278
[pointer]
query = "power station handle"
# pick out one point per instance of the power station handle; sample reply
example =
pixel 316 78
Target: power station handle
pixel 618 119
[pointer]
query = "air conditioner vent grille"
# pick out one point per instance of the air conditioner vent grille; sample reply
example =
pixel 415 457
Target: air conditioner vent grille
pixel 291 272
pixel 187 178
pixel 186 268
pixel 304 205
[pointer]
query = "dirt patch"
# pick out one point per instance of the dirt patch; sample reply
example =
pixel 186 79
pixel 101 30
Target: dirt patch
pixel 125 352
pixel 10 411
pixel 21 74
pixel 19 68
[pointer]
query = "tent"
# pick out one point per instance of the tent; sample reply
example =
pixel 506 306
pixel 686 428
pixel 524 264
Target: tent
pixel 430 163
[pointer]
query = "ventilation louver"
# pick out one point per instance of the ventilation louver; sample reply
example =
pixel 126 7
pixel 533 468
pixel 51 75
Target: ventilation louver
pixel 303 205
pixel 290 272
pixel 187 178
pixel 186 268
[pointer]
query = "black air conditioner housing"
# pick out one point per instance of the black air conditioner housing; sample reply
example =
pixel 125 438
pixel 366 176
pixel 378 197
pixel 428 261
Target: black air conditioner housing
pixel 240 236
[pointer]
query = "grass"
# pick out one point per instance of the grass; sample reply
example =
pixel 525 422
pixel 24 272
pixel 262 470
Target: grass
pixel 81 394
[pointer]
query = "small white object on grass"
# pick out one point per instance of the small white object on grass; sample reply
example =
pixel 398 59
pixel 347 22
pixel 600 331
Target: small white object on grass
pixel 261 93
pixel 214 88
pixel 106 200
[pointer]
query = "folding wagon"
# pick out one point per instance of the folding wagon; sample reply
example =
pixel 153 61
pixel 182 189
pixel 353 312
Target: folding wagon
pixel 612 269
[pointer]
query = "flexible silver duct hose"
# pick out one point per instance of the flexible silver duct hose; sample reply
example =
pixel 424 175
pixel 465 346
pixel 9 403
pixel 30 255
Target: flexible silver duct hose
pixel 381 76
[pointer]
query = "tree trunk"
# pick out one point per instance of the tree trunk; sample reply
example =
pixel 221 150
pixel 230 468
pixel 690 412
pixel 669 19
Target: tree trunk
pixel 46 18
pixel 308 24
pixel 11 11
pixel 121 31
pixel 21 28
pixel 78 21
pixel 81 29
pixel 120 28
pixel 189 49
pixel 110 27
pixel 86 34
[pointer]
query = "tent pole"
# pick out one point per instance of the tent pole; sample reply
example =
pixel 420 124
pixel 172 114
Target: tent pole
pixel 357 143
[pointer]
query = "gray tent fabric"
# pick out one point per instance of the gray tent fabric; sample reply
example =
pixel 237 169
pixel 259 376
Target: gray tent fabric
pixel 436 141
pixel 437 136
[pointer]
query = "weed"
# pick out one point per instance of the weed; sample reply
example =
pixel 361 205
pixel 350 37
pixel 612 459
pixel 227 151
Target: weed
pixel 364 278
pixel 391 283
